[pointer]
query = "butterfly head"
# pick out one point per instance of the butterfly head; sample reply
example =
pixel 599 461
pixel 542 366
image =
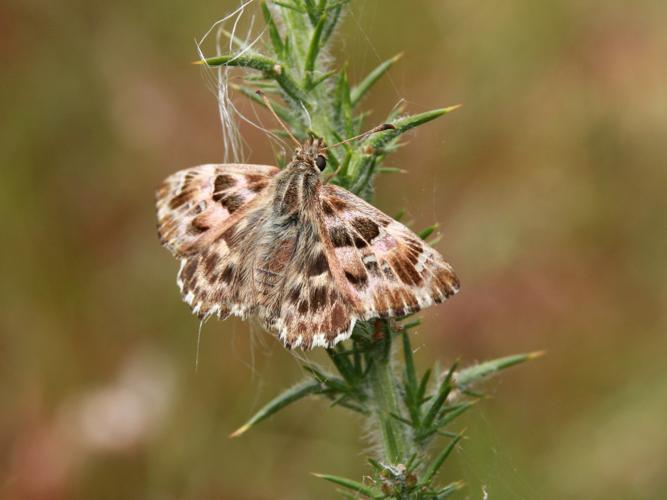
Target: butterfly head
pixel 311 153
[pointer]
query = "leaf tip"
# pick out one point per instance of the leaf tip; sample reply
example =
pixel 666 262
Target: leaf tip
pixel 449 109
pixel 458 485
pixel 397 57
pixel 535 355
pixel 239 431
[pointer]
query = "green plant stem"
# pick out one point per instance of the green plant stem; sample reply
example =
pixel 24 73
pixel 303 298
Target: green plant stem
pixel 383 389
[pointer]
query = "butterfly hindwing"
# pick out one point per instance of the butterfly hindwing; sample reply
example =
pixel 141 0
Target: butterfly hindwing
pixel 314 311
pixel 293 287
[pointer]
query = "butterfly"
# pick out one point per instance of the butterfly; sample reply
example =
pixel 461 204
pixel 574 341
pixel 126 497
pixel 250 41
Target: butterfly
pixel 306 257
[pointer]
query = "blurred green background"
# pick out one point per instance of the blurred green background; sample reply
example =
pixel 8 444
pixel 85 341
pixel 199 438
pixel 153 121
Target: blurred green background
pixel 549 187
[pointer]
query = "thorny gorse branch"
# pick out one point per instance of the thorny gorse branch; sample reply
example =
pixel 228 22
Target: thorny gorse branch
pixel 411 411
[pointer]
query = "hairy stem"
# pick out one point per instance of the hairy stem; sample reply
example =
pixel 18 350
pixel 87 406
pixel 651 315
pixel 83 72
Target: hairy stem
pixel 383 392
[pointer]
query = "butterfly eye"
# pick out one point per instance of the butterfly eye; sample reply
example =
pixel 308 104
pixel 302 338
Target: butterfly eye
pixel 321 162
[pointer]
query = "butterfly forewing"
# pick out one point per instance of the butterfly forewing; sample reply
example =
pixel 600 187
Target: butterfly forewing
pixel 217 279
pixel 193 201
pixel 392 272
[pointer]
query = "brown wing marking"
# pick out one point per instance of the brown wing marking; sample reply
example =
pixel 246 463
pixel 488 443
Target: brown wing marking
pixel 312 310
pixel 195 203
pixel 216 280
pixel 392 272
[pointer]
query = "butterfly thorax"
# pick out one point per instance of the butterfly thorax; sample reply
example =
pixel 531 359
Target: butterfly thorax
pixel 298 185
pixel 290 223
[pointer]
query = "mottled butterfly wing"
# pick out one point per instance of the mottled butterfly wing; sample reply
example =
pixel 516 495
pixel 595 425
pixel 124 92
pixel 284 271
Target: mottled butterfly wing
pixel 218 278
pixel 308 259
pixel 312 309
pixel 390 270
pixel 195 200
pixel 206 216
pixel 287 273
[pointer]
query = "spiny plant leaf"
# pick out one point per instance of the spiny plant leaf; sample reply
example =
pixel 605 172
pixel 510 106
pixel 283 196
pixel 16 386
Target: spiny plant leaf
pixel 450 489
pixel 361 89
pixel 351 485
pixel 410 373
pixel 342 362
pixel 322 78
pixel 411 324
pixel 334 383
pixel 270 67
pixel 453 412
pixel 475 373
pixel 313 10
pixel 344 106
pixel 299 391
pixel 274 33
pixel 335 8
pixel 425 233
pixel 391 170
pixel 402 125
pixel 443 392
pixel 313 52
pixel 437 462
pixel 423 384
pixel 287 5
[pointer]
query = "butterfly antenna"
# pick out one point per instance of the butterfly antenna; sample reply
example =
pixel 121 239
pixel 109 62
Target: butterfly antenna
pixel 282 124
pixel 374 130
pixel 380 128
